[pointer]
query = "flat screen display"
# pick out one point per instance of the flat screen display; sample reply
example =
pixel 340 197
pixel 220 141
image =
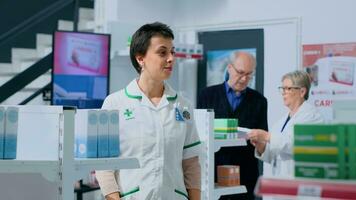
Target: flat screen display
pixel 80 74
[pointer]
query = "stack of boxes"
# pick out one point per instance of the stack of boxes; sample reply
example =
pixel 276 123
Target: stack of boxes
pixel 225 128
pixel 325 151
pixel 8 132
pixel 96 134
pixel 228 175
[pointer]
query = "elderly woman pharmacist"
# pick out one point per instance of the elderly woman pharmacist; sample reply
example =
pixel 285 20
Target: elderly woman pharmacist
pixel 156 126
pixel 276 147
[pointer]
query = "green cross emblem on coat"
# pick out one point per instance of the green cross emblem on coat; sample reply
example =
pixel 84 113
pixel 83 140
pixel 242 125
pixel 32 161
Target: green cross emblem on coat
pixel 128 114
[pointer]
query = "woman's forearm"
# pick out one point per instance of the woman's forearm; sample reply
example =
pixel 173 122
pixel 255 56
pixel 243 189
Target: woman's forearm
pixel 194 194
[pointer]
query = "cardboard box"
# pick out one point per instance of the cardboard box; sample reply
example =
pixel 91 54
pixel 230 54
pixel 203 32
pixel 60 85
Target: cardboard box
pixel 352 150
pixel 86 133
pixel 225 125
pixel 103 134
pixel 319 151
pixel 11 132
pixel 114 136
pixel 228 175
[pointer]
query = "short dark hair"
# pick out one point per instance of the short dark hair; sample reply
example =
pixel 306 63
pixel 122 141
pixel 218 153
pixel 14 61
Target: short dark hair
pixel 141 40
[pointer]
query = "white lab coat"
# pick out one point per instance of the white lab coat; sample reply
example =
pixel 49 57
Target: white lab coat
pixel 278 155
pixel 160 137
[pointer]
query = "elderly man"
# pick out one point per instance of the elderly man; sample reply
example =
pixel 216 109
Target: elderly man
pixel 233 99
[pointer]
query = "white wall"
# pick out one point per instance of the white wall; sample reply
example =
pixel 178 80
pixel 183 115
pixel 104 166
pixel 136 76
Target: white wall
pixel 134 11
pixel 321 21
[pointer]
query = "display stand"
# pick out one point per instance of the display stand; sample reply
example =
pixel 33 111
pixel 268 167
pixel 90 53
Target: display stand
pixel 306 188
pixel 64 170
pixel 205 124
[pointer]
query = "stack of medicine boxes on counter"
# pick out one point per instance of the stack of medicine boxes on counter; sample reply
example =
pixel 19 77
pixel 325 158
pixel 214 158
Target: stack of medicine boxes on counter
pixel 325 151
pixel 96 133
pixel 8 132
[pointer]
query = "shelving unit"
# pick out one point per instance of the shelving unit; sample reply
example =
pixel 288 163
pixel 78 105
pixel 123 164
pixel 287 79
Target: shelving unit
pixel 210 191
pixel 228 143
pixel 48 169
pixel 64 170
pixel 83 167
pixel 306 188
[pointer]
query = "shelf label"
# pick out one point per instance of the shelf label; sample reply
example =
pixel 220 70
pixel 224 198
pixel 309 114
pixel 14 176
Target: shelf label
pixel 309 190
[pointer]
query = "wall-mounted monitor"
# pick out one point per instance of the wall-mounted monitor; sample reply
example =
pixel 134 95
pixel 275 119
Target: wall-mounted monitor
pixel 80 74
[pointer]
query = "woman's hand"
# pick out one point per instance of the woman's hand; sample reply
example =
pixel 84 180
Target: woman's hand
pixel 113 196
pixel 194 194
pixel 259 139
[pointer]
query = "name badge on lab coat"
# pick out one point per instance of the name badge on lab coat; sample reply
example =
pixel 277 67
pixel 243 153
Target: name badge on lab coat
pixel 182 115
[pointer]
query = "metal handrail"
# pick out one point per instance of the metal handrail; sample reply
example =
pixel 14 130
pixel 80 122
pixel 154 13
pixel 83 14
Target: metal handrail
pixel 34 95
pixel 35 19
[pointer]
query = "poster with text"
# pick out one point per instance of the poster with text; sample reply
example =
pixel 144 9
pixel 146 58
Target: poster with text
pixel 332 70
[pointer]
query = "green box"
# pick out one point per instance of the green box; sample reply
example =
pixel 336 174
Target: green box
pixel 317 170
pixel 220 136
pixel 352 150
pixel 319 151
pixel 226 125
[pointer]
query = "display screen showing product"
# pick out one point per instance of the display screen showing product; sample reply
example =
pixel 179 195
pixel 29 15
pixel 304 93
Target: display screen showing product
pixel 80 74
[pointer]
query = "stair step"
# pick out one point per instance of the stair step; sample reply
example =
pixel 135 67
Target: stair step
pixel 65 25
pixel 37 83
pixel 22 95
pixel 86 13
pixel 40 82
pixel 4 77
pixel 6 67
pixel 86 25
pixel 20 57
pixel 44 40
pixel 43 51
pixel 23 54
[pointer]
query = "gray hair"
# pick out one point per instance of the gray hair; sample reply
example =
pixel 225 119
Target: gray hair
pixel 233 56
pixel 299 79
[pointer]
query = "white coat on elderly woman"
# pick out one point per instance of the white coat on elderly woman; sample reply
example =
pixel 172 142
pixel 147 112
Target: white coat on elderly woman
pixel 275 148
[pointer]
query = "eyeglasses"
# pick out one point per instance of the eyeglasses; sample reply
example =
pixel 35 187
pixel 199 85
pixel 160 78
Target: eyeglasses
pixel 287 89
pixel 241 74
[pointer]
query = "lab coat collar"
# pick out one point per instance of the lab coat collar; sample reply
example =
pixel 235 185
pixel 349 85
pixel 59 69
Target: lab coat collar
pixel 134 92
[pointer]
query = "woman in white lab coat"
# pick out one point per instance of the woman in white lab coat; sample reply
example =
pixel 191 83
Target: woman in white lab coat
pixel 276 147
pixel 156 126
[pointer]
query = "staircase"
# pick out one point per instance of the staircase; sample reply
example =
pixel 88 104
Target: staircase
pixel 22 58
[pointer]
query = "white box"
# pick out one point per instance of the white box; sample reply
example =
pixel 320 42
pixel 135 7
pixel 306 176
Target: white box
pixel 103 134
pixel 38 132
pixel 2 131
pixel 86 133
pixel 11 131
pixel 114 136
